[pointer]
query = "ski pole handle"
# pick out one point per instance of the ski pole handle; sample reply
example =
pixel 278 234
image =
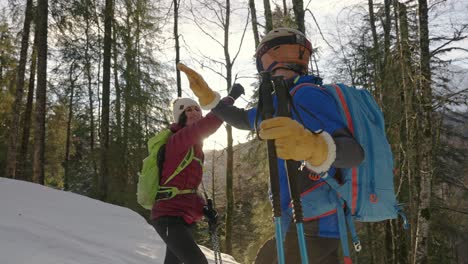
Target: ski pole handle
pixel 283 109
pixel 266 90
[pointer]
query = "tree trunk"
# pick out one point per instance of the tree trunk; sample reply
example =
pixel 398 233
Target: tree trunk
pixel 426 136
pixel 118 92
pixel 229 152
pixel 370 235
pixel 92 129
pixel 177 47
pixel 17 105
pixel 213 181
pixel 268 16
pixel 298 7
pixel 409 126
pixel 376 57
pixel 138 78
pixel 129 82
pixel 285 8
pixel 66 180
pixel 229 190
pixel 386 69
pixel 104 172
pixel 23 155
pixel 253 13
pixel 2 61
pixel 41 93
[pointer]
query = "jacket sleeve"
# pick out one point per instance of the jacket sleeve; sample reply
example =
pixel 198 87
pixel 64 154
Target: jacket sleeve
pixel 234 116
pixel 198 131
pixel 348 151
pixel 318 111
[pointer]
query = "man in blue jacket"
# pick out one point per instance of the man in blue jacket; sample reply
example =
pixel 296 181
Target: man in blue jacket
pixel 315 136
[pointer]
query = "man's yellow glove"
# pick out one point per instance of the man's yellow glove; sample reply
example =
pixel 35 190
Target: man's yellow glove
pixel 294 142
pixel 207 97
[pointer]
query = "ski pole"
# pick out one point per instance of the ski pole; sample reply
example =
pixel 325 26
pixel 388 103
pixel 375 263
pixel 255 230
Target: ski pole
pixel 267 110
pixel 282 95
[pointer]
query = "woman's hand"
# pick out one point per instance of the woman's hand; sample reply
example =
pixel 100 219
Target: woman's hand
pixel 207 97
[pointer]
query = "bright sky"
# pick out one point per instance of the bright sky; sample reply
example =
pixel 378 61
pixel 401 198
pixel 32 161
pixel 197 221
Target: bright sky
pixel 196 46
pixel 42 225
pixel 199 43
pixel 329 15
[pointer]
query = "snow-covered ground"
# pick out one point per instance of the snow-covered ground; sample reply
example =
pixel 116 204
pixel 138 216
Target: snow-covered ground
pixel 42 225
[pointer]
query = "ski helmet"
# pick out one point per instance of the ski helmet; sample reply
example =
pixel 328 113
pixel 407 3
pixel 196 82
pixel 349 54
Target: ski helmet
pixel 284 48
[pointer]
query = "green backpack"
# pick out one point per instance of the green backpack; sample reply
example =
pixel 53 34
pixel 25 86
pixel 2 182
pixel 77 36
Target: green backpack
pixel 148 179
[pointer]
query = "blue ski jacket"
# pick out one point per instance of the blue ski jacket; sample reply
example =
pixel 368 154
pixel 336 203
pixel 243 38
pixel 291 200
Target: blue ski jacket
pixel 317 111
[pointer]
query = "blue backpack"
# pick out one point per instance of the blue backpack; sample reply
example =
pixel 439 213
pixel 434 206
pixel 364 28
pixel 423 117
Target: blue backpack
pixel 367 191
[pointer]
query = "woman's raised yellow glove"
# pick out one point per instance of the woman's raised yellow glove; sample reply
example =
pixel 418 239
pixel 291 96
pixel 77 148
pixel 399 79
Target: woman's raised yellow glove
pixel 207 97
pixel 294 142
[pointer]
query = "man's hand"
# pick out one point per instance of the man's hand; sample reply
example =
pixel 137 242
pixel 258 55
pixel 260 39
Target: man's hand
pixel 293 141
pixel 236 91
pixel 207 97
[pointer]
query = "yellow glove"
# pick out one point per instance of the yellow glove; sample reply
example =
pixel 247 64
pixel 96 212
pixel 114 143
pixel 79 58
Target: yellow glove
pixel 207 97
pixel 294 142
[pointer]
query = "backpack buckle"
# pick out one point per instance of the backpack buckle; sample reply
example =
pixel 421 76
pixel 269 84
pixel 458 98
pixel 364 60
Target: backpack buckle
pixel 357 246
pixel 166 193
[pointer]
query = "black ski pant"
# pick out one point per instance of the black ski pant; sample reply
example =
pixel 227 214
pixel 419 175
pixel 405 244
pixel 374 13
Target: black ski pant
pixel 320 250
pixel 181 246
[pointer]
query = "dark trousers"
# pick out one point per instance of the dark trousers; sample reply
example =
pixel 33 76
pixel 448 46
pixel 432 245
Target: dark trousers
pixel 320 250
pixel 181 246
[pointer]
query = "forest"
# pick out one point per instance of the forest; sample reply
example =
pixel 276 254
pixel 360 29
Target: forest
pixel 85 83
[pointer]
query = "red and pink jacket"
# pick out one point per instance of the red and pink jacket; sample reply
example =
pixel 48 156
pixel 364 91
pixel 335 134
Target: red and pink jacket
pixel 188 206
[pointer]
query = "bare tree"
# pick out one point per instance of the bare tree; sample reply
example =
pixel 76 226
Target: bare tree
pixel 66 176
pixel 20 172
pixel 118 92
pixel 41 93
pixel 268 16
pixel 222 11
pixel 104 172
pixel 285 8
pixel 177 45
pixel 298 7
pixel 253 14
pixel 17 105
pixel 426 139
pixel 88 69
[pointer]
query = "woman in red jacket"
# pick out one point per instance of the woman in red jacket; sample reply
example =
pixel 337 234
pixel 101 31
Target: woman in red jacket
pixel 174 218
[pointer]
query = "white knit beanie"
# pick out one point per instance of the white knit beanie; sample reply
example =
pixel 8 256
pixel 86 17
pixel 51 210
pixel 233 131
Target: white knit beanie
pixel 179 105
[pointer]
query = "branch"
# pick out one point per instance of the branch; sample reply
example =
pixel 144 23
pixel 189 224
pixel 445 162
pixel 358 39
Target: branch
pixel 320 31
pixel 457 36
pixel 451 209
pixel 220 19
pixel 438 51
pixel 201 28
pixel 211 69
pixel 166 16
pixel 436 3
pixel 206 33
pixel 242 39
pixel 447 98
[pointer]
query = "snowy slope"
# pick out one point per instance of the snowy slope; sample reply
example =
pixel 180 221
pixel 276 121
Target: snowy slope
pixel 42 225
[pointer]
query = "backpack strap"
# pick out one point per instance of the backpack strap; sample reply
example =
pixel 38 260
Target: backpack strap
pixel 167 192
pixel 184 163
pixel 343 230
